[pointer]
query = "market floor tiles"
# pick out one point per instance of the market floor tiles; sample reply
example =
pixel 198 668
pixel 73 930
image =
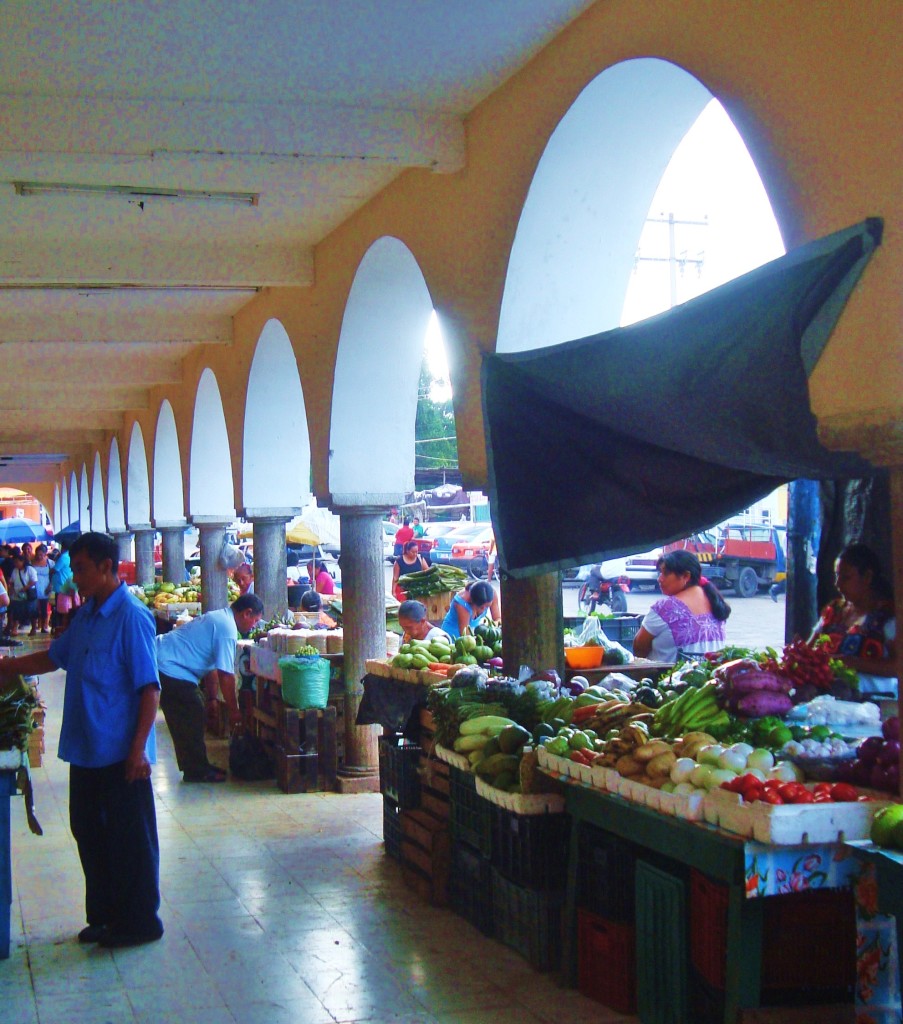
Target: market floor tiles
pixel 278 910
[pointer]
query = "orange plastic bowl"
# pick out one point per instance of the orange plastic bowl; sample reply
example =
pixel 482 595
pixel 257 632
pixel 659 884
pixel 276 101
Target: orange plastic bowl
pixel 584 657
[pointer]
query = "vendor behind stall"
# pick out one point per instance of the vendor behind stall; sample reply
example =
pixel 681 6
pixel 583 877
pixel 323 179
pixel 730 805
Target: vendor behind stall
pixel 312 604
pixel 689 619
pixel 470 607
pixel 413 620
pixel 860 625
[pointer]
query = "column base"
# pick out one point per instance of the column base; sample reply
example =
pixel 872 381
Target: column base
pixel 358 780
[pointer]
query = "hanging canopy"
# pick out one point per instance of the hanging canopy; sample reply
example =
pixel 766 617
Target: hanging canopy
pixel 615 443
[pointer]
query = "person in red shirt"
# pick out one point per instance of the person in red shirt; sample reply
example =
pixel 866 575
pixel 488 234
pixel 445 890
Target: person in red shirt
pixel 402 535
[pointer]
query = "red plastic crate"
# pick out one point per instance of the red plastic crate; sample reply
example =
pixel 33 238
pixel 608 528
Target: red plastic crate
pixel 708 928
pixel 822 923
pixel 606 957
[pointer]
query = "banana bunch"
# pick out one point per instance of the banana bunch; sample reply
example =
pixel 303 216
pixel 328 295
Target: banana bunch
pixel 561 707
pixel 615 714
pixel 635 756
pixel 695 709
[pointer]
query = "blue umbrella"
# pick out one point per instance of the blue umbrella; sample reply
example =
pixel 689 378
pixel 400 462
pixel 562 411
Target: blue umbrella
pixel 21 531
pixel 70 532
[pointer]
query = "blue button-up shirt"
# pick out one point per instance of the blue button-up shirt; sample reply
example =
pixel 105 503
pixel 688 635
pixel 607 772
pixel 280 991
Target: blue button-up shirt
pixel 109 654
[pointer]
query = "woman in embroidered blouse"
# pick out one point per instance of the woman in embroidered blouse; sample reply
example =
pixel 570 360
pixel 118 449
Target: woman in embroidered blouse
pixel 689 619
pixel 860 624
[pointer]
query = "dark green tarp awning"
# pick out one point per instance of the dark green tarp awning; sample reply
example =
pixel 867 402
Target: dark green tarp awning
pixel 615 443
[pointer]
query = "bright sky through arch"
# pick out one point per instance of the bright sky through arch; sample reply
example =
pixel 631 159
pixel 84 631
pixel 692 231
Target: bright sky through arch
pixel 711 178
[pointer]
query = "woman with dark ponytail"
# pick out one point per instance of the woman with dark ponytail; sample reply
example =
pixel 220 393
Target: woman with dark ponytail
pixel 690 617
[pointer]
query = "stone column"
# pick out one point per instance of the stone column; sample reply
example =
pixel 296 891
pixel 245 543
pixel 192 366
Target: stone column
pixel 270 566
pixel 213 575
pixel 364 625
pixel 124 543
pixel 144 554
pixel 533 631
pixel 173 552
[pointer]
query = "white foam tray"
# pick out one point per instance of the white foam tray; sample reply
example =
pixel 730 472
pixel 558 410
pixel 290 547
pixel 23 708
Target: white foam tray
pixel 791 824
pixel 452 757
pixel 521 803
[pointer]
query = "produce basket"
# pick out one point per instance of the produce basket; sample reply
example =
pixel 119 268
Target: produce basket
pixel 584 657
pixel 451 757
pixel 305 681
pixel 521 803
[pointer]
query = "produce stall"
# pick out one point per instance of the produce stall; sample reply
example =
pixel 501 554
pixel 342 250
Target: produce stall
pixel 704 815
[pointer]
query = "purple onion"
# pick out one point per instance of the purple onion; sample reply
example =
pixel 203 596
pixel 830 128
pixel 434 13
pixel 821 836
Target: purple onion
pixel 575 686
pixel 889 753
pixel 496 663
pixel 878 777
pixel 891 728
pixel 861 773
pixel 869 749
pixel 550 676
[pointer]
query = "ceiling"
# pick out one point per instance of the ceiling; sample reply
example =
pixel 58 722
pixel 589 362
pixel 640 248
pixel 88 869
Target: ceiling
pixel 306 108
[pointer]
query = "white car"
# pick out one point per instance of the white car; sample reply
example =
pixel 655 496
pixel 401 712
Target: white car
pixel 642 569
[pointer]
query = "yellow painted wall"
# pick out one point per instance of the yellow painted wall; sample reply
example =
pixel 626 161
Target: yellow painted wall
pixel 815 88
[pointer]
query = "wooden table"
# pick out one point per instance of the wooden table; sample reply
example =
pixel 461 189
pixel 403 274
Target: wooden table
pixel 639 668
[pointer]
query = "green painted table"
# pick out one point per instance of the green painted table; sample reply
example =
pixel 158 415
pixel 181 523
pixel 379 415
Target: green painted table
pixel 750 870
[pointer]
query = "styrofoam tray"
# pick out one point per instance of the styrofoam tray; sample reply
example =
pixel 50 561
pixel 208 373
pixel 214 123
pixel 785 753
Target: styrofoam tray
pixel 689 806
pixel 553 762
pixel 521 803
pixel 790 824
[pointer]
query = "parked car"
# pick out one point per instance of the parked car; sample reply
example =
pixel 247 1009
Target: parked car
pixel 389 531
pixel 642 569
pixel 431 534
pixel 466 544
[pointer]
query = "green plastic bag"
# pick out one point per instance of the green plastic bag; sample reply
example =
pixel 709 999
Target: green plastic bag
pixel 305 681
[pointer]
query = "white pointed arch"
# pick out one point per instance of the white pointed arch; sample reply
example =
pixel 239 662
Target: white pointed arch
pixel 577 235
pixel 169 499
pixel 374 402
pixel 137 487
pixel 98 505
pixel 65 518
pixel 275 420
pixel 211 491
pixel 84 500
pixel 115 497
pixel 73 500
pixel 57 518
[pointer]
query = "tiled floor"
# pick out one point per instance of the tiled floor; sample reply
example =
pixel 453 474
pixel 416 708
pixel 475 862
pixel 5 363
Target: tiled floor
pixel 277 909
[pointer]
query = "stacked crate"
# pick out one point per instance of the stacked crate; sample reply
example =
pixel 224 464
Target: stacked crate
pixel 529 856
pixel 36 738
pixel 415 819
pixel 305 751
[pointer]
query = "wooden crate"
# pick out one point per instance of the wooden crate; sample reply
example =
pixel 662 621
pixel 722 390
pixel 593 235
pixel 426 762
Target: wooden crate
pixel 434 776
pixel 36 747
pixel 305 749
pixel 426 854
pixel 437 606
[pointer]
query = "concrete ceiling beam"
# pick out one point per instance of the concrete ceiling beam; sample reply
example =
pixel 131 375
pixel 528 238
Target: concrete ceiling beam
pixel 221 131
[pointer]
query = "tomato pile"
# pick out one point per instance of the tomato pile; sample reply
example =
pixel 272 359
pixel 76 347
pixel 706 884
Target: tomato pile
pixel 773 791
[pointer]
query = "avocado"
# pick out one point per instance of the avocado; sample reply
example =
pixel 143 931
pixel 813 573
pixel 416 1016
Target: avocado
pixel 512 738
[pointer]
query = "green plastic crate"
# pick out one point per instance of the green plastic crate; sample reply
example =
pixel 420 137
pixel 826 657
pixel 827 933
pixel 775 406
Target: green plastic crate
pixel 662 948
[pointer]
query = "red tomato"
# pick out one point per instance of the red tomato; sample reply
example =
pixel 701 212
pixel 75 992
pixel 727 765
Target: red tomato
pixel 843 792
pixel 772 796
pixel 790 790
pixel 823 798
pixel 803 798
pixel 822 787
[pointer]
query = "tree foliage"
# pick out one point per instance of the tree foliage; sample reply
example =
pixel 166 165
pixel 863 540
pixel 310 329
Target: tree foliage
pixel 436 444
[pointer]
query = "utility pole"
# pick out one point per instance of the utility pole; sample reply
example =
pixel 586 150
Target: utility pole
pixel 674 259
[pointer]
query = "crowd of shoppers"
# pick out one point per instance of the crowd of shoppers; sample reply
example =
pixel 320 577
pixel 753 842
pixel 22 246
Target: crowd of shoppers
pixel 32 579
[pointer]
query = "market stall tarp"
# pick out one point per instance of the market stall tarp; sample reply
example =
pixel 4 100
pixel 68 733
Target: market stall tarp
pixel 614 443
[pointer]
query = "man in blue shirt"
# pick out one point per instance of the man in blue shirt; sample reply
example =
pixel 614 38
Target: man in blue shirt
pixel 107 736
pixel 184 657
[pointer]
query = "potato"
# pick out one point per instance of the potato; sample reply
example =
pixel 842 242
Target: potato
pixel 628 765
pixel 651 749
pixel 660 767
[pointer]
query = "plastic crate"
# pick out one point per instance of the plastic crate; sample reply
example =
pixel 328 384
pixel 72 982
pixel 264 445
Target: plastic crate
pixel 469 816
pixel 661 946
pixel 821 922
pixel 530 849
pixel 606 961
pixel 606 874
pixel 621 628
pixel 398 775
pixel 392 828
pixel 470 887
pixel 706 1002
pixel 708 928
pixel 528 921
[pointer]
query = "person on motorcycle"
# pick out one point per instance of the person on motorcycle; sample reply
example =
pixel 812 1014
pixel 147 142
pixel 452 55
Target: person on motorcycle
pixel 598 589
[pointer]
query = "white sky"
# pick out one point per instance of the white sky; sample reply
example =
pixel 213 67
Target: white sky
pixel 710 178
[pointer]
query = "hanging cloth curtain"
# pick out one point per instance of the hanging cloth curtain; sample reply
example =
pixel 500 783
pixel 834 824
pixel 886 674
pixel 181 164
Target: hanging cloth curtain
pixel 615 443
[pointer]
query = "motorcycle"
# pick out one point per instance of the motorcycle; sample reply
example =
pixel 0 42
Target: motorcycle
pixel 597 589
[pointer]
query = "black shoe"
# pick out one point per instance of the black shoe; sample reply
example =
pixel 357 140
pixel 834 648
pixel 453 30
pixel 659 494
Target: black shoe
pixel 93 933
pixel 113 938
